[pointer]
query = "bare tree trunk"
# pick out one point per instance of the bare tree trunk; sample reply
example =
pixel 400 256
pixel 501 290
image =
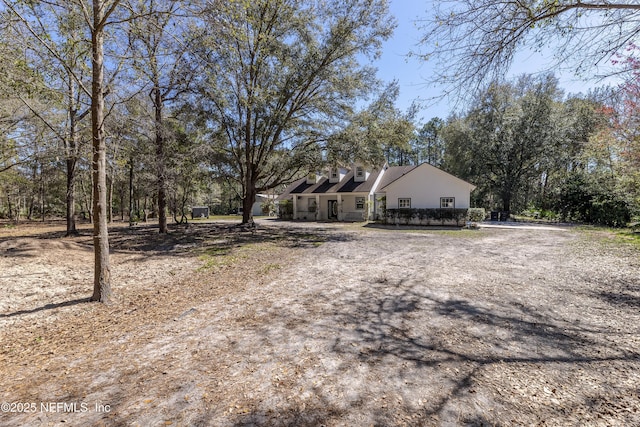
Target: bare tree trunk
pixel 9 205
pixel 160 156
pixel 71 197
pixel 110 200
pixel 18 208
pixel 72 159
pixel 131 192
pixel 249 180
pixel 43 199
pixel 102 272
pixel 249 199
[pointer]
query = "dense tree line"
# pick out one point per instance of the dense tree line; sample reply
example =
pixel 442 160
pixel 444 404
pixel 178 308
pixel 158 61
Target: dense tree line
pixel 134 109
pixel 138 108
pixel 530 149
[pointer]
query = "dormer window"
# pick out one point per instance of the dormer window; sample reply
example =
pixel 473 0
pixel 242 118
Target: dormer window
pixel 360 174
pixel 312 178
pixel 335 175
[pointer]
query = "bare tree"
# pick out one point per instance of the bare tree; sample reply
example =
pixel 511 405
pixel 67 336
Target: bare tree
pixel 97 19
pixel 473 42
pixel 54 41
pixel 161 57
pixel 95 14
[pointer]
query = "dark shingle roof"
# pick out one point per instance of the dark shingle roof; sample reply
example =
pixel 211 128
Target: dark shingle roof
pixel 346 185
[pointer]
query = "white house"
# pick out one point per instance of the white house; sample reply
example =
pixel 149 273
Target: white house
pixel 357 194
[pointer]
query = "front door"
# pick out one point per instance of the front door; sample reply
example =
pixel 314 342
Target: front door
pixel 333 209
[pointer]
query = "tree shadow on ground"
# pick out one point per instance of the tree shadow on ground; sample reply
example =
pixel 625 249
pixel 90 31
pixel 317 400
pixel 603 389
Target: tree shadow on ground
pixel 51 306
pixel 405 227
pixel 620 294
pixel 400 324
pixel 183 240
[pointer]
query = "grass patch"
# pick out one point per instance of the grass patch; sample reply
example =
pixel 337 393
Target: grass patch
pixel 219 257
pixel 629 236
pixel 268 268
pixel 444 231
pixel 621 236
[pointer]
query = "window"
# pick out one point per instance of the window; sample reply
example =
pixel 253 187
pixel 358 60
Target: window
pixel 404 203
pixel 359 171
pixel 360 203
pixel 447 202
pixel 334 173
pixel 312 205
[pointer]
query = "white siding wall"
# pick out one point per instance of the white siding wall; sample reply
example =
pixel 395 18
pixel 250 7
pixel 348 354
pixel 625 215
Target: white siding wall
pixel 349 211
pixel 425 185
pixel 303 208
pixel 323 207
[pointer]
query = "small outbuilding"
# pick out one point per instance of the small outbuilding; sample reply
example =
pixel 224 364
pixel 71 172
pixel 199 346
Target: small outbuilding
pixel 199 212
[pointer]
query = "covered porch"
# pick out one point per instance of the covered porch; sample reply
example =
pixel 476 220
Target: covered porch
pixel 332 207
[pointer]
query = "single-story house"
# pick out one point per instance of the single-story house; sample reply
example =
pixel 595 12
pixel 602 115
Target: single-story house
pixel 358 194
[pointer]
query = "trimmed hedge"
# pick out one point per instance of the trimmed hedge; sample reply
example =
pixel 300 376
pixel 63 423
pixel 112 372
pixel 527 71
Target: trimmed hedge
pixel 426 216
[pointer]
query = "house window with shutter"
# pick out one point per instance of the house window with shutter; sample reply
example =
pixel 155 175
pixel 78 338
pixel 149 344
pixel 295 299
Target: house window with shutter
pixel 360 203
pixel 447 202
pixel 404 203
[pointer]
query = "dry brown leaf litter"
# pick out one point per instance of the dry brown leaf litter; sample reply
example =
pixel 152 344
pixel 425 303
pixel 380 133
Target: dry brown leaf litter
pixel 305 324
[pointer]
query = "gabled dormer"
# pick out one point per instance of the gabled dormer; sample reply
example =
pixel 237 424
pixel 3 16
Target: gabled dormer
pixel 360 174
pixel 313 178
pixel 336 174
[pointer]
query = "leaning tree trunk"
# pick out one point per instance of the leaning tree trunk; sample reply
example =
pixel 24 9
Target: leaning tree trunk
pixel 102 272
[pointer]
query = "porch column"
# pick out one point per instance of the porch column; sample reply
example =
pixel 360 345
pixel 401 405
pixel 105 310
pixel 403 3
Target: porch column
pixel 295 207
pixel 318 207
pixel 339 207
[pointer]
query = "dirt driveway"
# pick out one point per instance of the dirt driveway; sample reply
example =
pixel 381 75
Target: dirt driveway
pixel 323 325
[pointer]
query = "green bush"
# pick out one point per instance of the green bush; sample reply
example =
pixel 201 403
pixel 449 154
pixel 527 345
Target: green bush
pixel 476 214
pixel 582 199
pixel 285 209
pixel 609 210
pixel 425 216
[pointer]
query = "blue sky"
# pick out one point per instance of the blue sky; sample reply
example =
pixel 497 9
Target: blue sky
pixel 412 73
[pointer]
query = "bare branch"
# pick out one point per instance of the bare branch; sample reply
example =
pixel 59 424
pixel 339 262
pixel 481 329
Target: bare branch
pixel 474 42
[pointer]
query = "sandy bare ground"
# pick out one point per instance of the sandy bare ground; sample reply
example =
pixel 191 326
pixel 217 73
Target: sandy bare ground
pixel 320 324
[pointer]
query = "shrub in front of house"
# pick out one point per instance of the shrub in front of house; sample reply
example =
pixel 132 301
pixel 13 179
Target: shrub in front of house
pixel 426 216
pixel 476 214
pixel 285 209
